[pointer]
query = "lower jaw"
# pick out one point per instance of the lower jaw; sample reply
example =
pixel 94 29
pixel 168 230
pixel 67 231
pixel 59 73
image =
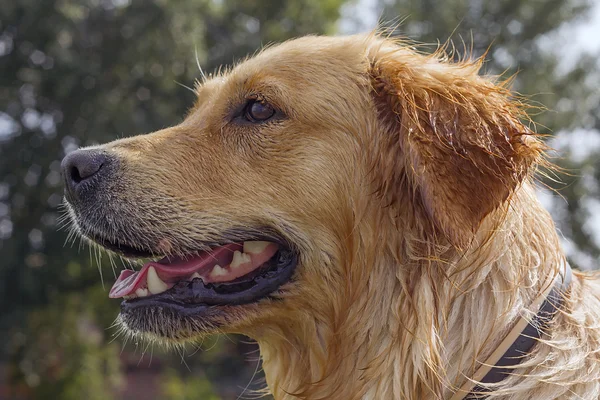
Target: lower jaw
pixel 190 308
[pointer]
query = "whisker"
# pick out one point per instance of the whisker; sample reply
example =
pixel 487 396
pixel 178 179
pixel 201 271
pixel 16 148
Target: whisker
pixel 251 380
pixel 186 87
pixel 198 64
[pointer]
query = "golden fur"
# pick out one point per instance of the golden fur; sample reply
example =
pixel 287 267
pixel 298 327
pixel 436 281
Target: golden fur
pixel 405 181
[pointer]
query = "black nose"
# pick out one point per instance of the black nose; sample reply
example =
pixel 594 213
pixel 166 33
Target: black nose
pixel 81 170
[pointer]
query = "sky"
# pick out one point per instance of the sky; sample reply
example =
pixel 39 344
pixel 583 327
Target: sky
pixel 587 32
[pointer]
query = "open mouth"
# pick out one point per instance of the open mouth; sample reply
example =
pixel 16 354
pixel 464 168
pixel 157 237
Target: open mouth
pixel 230 274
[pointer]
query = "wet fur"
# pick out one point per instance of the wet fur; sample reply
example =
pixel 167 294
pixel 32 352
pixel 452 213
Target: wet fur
pixel 404 182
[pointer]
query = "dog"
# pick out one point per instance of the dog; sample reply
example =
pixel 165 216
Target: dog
pixel 365 212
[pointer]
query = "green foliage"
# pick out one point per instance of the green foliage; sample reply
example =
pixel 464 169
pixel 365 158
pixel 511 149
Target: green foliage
pixel 75 73
pixel 62 352
pixel 178 388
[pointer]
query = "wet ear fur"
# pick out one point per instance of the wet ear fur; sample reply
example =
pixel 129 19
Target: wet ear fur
pixel 454 136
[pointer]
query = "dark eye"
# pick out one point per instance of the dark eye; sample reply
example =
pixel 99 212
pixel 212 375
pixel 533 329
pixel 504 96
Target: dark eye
pixel 258 111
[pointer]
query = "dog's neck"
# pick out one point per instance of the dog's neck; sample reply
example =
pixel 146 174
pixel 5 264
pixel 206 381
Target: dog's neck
pixel 414 326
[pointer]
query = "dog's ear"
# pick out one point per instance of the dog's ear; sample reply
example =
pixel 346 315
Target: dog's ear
pixel 450 137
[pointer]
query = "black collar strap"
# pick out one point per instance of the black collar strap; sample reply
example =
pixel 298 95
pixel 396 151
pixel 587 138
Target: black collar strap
pixel 519 341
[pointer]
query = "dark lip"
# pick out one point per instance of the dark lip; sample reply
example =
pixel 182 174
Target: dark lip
pixel 193 298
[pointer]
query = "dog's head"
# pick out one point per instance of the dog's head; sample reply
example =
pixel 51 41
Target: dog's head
pixel 254 207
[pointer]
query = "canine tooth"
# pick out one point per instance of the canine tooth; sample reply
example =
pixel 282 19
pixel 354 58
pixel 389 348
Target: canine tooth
pixel 141 292
pixel 155 284
pixel 239 259
pixel 195 275
pixel 218 271
pixel 255 247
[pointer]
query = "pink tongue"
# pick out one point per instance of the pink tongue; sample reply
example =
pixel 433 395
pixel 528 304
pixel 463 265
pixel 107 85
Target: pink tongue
pixel 129 280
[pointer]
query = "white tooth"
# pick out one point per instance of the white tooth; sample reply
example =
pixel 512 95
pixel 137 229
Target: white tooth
pixel 155 284
pixel 255 247
pixel 239 259
pixel 218 271
pixel 195 275
pixel 141 292
pixel 128 297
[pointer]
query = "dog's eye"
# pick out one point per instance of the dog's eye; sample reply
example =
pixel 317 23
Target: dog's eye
pixel 258 111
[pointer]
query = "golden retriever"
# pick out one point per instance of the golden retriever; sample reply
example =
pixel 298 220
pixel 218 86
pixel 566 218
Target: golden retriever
pixel 364 211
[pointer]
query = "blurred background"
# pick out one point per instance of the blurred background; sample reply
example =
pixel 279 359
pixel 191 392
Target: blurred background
pixel 76 73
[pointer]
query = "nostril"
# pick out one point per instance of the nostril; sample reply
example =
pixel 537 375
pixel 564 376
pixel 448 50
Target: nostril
pixel 81 165
pixel 81 172
pixel 75 176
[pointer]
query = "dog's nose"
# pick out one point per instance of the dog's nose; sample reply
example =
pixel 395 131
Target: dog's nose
pixel 80 168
